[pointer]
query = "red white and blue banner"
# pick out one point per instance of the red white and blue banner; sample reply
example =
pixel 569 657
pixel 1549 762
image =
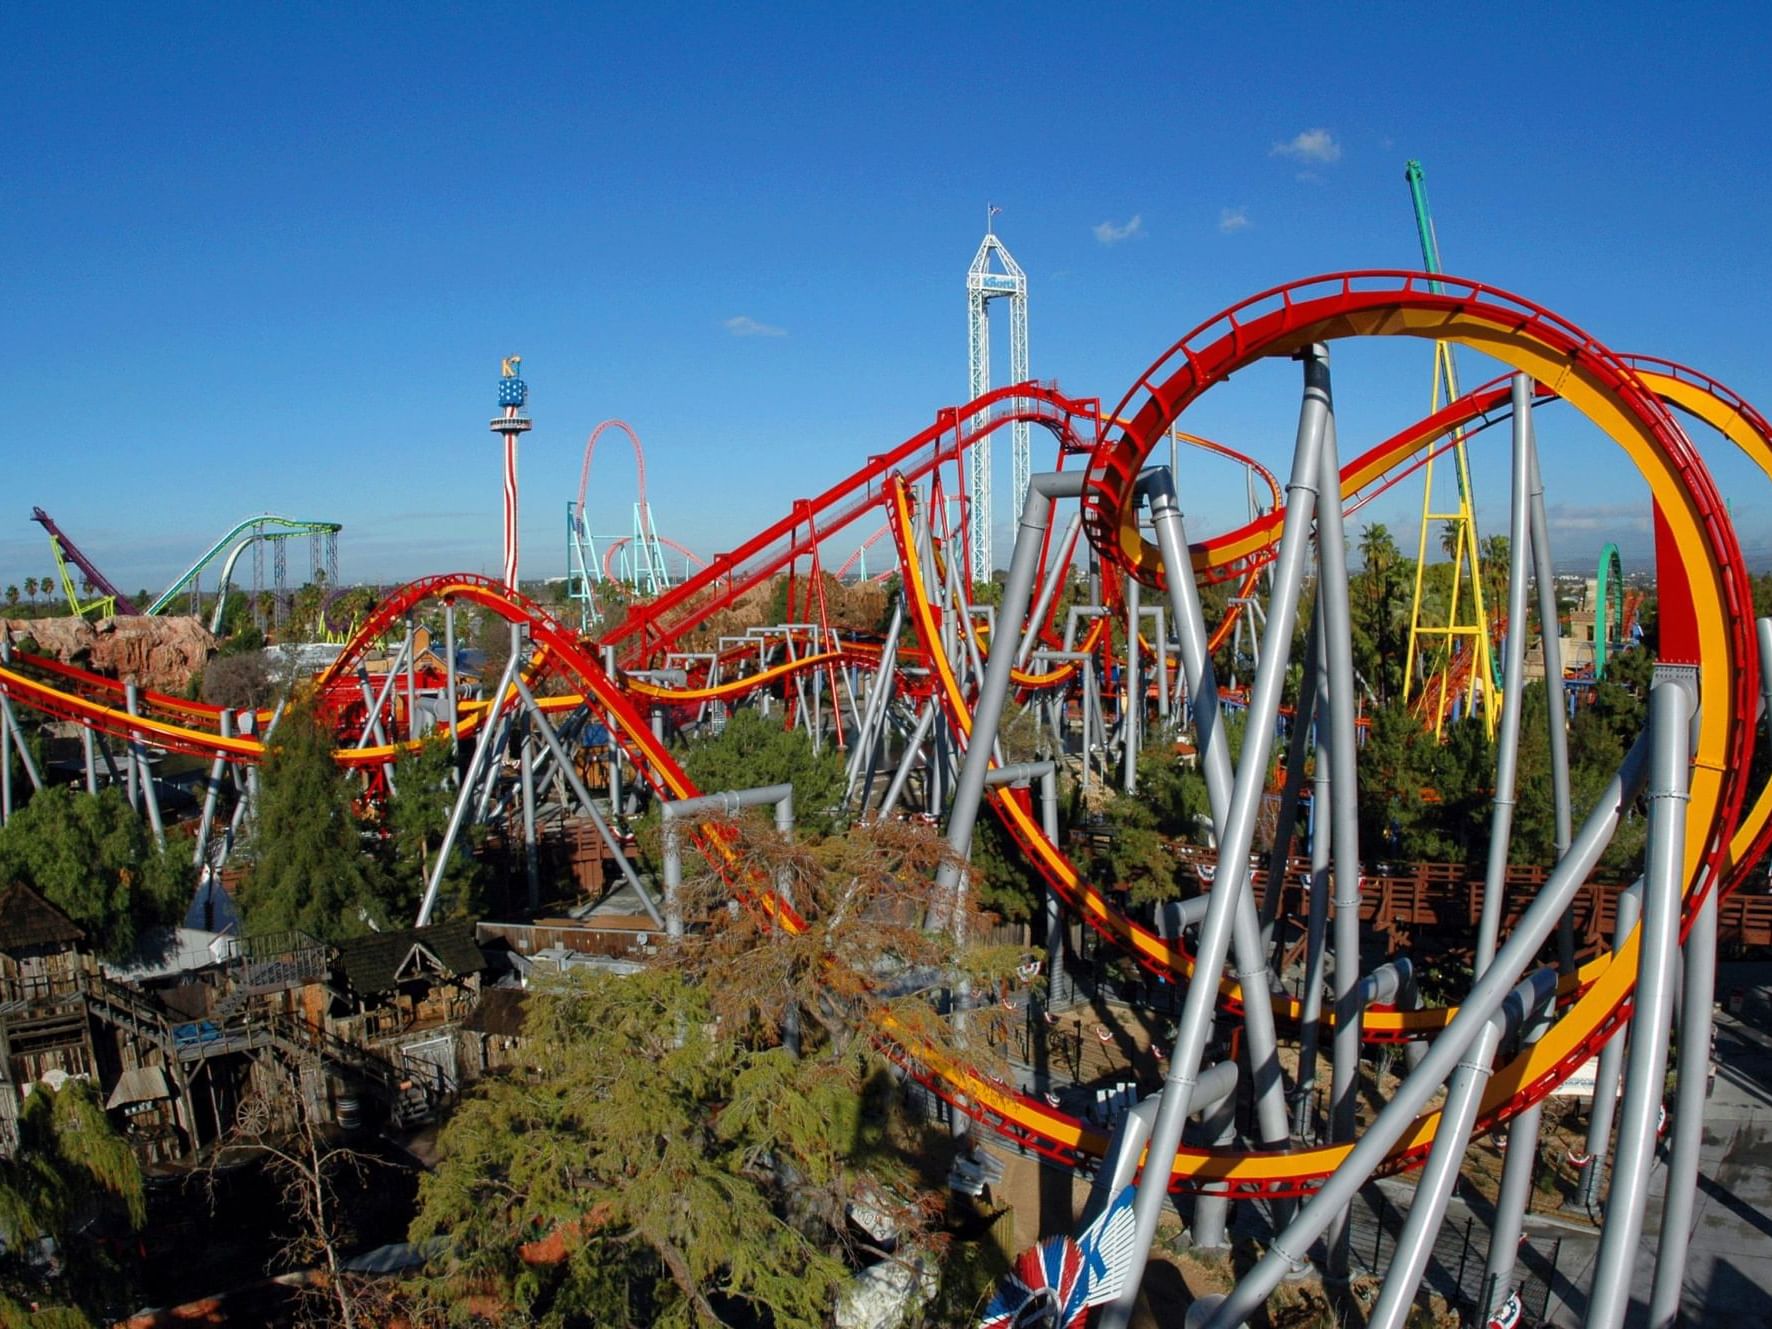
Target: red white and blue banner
pixel 1053 1285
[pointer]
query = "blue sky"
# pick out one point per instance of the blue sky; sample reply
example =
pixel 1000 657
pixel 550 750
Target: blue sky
pixel 268 258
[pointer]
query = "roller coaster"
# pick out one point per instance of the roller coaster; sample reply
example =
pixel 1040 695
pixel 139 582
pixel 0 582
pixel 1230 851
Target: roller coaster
pixel 257 533
pixel 925 708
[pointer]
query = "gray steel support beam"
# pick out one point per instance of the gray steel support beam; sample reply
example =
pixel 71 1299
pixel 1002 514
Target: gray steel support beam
pixel 615 797
pixel 1249 953
pixel 1131 693
pixel 1217 1083
pixel 372 726
pixel 1546 577
pixel 563 763
pixel 449 700
pixel 1699 978
pixel 1341 712
pixel 1297 750
pixel 411 685
pixel 1316 928
pixel 464 797
pixel 1433 1189
pixel 17 731
pixel 913 745
pixel 1230 886
pixel 1670 714
pixel 526 783
pixel 1414 1090
pixel 675 811
pixel 210 793
pixel 864 752
pixel 993 693
pixel 1212 1209
pixel 1510 1208
pixel 1513 674
pixel 5 766
pixel 138 758
pixel 1049 588
pixel 1611 1062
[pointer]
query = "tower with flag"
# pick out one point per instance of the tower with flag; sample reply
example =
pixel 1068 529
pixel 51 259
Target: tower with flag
pixel 513 395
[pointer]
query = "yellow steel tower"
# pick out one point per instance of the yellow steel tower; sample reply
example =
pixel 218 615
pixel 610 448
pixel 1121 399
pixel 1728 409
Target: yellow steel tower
pixel 1452 657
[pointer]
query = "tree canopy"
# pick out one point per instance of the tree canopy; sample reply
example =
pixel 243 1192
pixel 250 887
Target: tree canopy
pixel 95 860
pixel 756 749
pixel 69 1164
pixel 416 817
pixel 665 1158
pixel 309 869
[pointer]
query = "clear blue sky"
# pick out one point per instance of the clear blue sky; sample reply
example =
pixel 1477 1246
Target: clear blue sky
pixel 263 257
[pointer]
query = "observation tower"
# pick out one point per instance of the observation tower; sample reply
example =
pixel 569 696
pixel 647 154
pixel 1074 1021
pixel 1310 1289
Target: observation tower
pixel 513 395
pixel 982 286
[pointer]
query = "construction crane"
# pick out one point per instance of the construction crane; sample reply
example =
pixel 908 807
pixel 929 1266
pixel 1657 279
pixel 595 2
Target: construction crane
pixel 1439 640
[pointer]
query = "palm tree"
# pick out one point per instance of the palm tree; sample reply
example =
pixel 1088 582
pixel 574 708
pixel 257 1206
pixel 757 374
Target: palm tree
pixel 31 589
pixel 1449 539
pixel 11 597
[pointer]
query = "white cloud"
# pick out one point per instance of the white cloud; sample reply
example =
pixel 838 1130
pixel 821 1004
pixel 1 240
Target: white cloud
pixel 1313 145
pixel 1109 234
pixel 1232 220
pixel 743 325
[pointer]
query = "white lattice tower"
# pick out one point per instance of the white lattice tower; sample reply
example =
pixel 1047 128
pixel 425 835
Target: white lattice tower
pixel 983 284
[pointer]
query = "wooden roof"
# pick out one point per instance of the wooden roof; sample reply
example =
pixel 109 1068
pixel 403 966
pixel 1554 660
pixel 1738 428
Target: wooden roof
pixel 28 921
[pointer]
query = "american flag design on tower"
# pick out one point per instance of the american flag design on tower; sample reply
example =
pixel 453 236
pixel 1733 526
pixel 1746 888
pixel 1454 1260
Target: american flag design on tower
pixel 513 393
pixel 1053 1284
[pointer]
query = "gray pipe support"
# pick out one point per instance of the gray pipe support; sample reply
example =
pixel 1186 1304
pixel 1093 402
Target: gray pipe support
pixel 1131 694
pixel 18 732
pixel 1412 1094
pixel 583 794
pixel 615 798
pixel 464 797
pixel 987 712
pixel 1670 713
pixel 1513 673
pixel 913 745
pixel 5 766
pixel 1699 977
pixel 676 811
pixel 211 790
pixel 1119 1166
pixel 1297 750
pixel 1317 925
pixel 1611 1061
pixel 863 753
pixel 1251 971
pixel 138 756
pixel 1438 1176
pixel 1055 575
pixel 1231 884
pixel 1510 1209
pixel 1341 703
pixel 449 672
pixel 1552 640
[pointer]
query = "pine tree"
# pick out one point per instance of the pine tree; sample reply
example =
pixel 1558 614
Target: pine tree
pixel 755 750
pixel 666 1159
pixel 417 817
pixel 310 870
